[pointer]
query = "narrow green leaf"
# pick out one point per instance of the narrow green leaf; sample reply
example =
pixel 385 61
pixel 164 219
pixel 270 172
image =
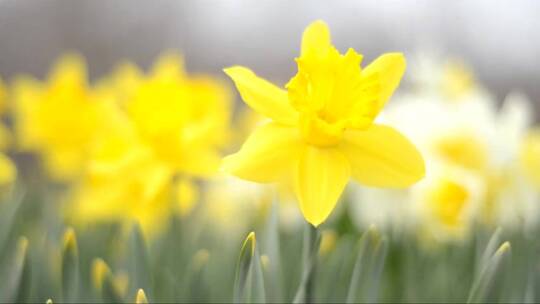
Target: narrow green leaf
pixel 312 242
pixel 491 247
pixel 70 267
pixel 484 286
pixel 196 286
pixel 249 282
pixel 139 266
pixel 8 214
pixel 372 249
pixel 18 277
pixel 104 282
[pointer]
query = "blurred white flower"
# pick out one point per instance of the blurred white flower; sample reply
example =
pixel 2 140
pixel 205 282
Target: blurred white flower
pixel 471 147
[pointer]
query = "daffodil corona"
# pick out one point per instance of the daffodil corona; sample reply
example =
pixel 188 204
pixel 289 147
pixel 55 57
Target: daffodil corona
pixel 321 130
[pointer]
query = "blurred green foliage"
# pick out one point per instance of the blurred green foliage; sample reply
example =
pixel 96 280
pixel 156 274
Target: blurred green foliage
pixel 42 259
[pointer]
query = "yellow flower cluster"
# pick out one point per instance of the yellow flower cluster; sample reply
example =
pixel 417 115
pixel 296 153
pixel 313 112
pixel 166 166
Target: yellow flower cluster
pixel 132 145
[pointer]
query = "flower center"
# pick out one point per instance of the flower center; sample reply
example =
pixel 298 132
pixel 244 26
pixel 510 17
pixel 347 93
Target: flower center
pixel 448 202
pixel 318 131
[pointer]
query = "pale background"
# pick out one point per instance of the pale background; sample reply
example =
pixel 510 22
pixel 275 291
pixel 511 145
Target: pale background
pixel 500 39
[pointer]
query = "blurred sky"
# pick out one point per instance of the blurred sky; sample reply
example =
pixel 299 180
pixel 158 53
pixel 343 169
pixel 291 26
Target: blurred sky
pixel 500 39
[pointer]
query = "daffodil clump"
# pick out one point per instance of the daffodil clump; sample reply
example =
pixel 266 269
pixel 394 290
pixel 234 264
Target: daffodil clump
pixel 321 130
pixel 130 146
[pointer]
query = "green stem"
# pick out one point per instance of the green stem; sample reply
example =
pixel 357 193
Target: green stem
pixel 312 240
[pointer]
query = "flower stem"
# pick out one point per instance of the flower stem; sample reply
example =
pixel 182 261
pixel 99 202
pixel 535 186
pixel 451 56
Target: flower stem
pixel 312 240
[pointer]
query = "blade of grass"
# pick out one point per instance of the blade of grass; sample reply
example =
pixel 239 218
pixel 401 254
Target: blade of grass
pixel 312 241
pixel 365 278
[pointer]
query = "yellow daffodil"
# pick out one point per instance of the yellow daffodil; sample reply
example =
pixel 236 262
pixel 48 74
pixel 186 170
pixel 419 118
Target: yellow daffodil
pixel 123 180
pixel 530 155
pixel 185 120
pixel 458 80
pixel 322 128
pixel 60 119
pixel 8 171
pixel 5 136
pixel 447 201
pixel 165 129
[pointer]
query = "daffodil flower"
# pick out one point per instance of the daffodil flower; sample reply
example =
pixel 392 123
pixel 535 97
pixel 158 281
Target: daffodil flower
pixel 321 130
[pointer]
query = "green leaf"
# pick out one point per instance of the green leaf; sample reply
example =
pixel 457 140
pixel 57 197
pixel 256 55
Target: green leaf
pixel 196 286
pixel 271 247
pixel 8 214
pixel 364 284
pixel 485 286
pixel 312 242
pixel 249 283
pixel 18 277
pixel 139 266
pixel 70 267
pixel 491 247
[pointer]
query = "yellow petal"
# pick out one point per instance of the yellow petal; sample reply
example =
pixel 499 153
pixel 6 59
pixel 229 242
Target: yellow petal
pixel 321 176
pixel 385 72
pixel 316 39
pixel 169 65
pixel 187 196
pixel 199 162
pixel 380 156
pixel 262 96
pixel 69 69
pixel 267 155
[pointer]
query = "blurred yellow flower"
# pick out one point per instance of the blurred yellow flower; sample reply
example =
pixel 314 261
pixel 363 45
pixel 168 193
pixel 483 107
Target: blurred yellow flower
pixel 5 136
pixel 164 130
pixel 447 201
pixel 185 120
pixel 322 130
pixel 458 80
pixel 463 149
pixel 8 171
pixel 187 195
pixel 60 119
pixel 530 155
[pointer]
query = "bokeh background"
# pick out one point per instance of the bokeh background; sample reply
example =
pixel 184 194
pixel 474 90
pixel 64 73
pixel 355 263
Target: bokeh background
pixel 194 259
pixel 499 39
